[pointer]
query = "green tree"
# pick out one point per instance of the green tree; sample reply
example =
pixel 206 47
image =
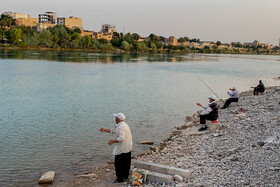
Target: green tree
pixel 77 30
pixel 85 41
pixel 154 47
pixel 6 21
pixel 15 35
pixel 218 43
pixel 135 36
pixel 75 40
pixel 61 32
pixel 46 38
pixel 154 37
pixel 125 46
pixel 30 39
pixel 183 39
pixel 103 41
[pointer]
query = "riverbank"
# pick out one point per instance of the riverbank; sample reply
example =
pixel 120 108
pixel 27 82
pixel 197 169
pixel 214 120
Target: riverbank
pixel 150 51
pixel 245 153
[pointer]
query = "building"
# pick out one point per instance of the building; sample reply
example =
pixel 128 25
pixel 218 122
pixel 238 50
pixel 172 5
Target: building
pixel 106 28
pixel 71 22
pixel 22 19
pixel 106 36
pixel 28 22
pixel 171 40
pixel 47 17
pixel 15 15
pixel 44 26
pixel 86 32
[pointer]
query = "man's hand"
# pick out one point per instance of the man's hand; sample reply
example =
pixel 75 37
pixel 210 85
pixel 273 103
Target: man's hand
pixel 110 142
pixel 102 129
pixel 198 104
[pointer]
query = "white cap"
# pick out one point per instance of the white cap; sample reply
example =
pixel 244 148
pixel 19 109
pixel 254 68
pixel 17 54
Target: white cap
pixel 234 88
pixel 212 97
pixel 120 116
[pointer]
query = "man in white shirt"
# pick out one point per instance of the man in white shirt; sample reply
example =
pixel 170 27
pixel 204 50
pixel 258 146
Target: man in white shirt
pixel 234 97
pixel 123 147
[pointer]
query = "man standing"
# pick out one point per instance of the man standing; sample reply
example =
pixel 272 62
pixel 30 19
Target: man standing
pixel 123 146
pixel 210 112
pixel 260 88
pixel 234 97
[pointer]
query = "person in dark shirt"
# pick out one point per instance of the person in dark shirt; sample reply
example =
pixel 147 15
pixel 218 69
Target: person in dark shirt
pixel 259 88
pixel 210 112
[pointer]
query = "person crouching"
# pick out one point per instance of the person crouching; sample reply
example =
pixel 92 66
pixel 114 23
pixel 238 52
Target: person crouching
pixel 210 112
pixel 234 97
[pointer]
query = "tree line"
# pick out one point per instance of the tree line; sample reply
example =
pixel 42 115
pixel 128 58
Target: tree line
pixel 62 37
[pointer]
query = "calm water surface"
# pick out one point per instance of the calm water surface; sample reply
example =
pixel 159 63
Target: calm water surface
pixel 52 104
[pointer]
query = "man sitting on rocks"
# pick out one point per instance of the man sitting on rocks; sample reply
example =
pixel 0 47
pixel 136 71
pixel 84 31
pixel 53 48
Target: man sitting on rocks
pixel 210 112
pixel 234 97
pixel 259 89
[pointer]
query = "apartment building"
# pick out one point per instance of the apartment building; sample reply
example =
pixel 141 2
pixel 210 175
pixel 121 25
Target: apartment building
pixel 71 22
pixel 47 17
pixel 107 28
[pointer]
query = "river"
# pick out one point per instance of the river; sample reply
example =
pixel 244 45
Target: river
pixel 53 103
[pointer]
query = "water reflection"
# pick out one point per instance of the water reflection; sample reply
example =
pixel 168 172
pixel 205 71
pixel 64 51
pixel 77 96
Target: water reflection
pixel 100 57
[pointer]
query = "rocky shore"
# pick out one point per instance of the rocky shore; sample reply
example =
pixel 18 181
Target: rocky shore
pixel 245 152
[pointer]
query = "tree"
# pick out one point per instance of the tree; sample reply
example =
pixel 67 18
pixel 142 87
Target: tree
pixel 183 39
pixel 6 21
pixel 154 47
pixel 75 40
pixel 218 43
pixel 85 41
pixel 30 39
pixel 154 37
pixel 61 32
pixel 103 41
pixel 15 35
pixel 125 46
pixel 46 38
pixel 77 30
pixel 135 36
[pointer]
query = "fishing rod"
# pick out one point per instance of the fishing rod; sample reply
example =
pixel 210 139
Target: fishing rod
pixel 209 88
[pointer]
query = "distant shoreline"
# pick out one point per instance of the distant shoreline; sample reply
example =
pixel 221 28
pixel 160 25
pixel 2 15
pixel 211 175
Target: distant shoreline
pixel 178 52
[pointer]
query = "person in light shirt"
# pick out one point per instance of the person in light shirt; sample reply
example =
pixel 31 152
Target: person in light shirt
pixel 210 112
pixel 234 97
pixel 122 148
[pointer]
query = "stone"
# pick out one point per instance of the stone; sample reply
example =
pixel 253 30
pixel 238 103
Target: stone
pixel 108 170
pixel 159 177
pixel 147 142
pixel 90 175
pixel 178 178
pixel 47 178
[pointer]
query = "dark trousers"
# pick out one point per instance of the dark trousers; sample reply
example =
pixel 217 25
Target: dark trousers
pixel 257 91
pixel 203 118
pixel 230 100
pixel 122 165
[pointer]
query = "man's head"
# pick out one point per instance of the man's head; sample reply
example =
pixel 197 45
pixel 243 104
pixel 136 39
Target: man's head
pixel 260 81
pixel 119 117
pixel 233 88
pixel 211 98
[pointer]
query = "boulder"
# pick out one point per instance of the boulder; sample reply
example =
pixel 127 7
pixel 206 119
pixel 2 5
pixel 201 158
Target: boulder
pixel 47 178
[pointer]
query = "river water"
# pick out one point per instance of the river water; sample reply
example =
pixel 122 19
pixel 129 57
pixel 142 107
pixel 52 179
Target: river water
pixel 53 103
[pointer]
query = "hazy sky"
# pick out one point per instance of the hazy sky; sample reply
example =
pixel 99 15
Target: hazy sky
pixel 224 20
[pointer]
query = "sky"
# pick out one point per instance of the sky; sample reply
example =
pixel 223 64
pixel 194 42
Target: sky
pixel 208 20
